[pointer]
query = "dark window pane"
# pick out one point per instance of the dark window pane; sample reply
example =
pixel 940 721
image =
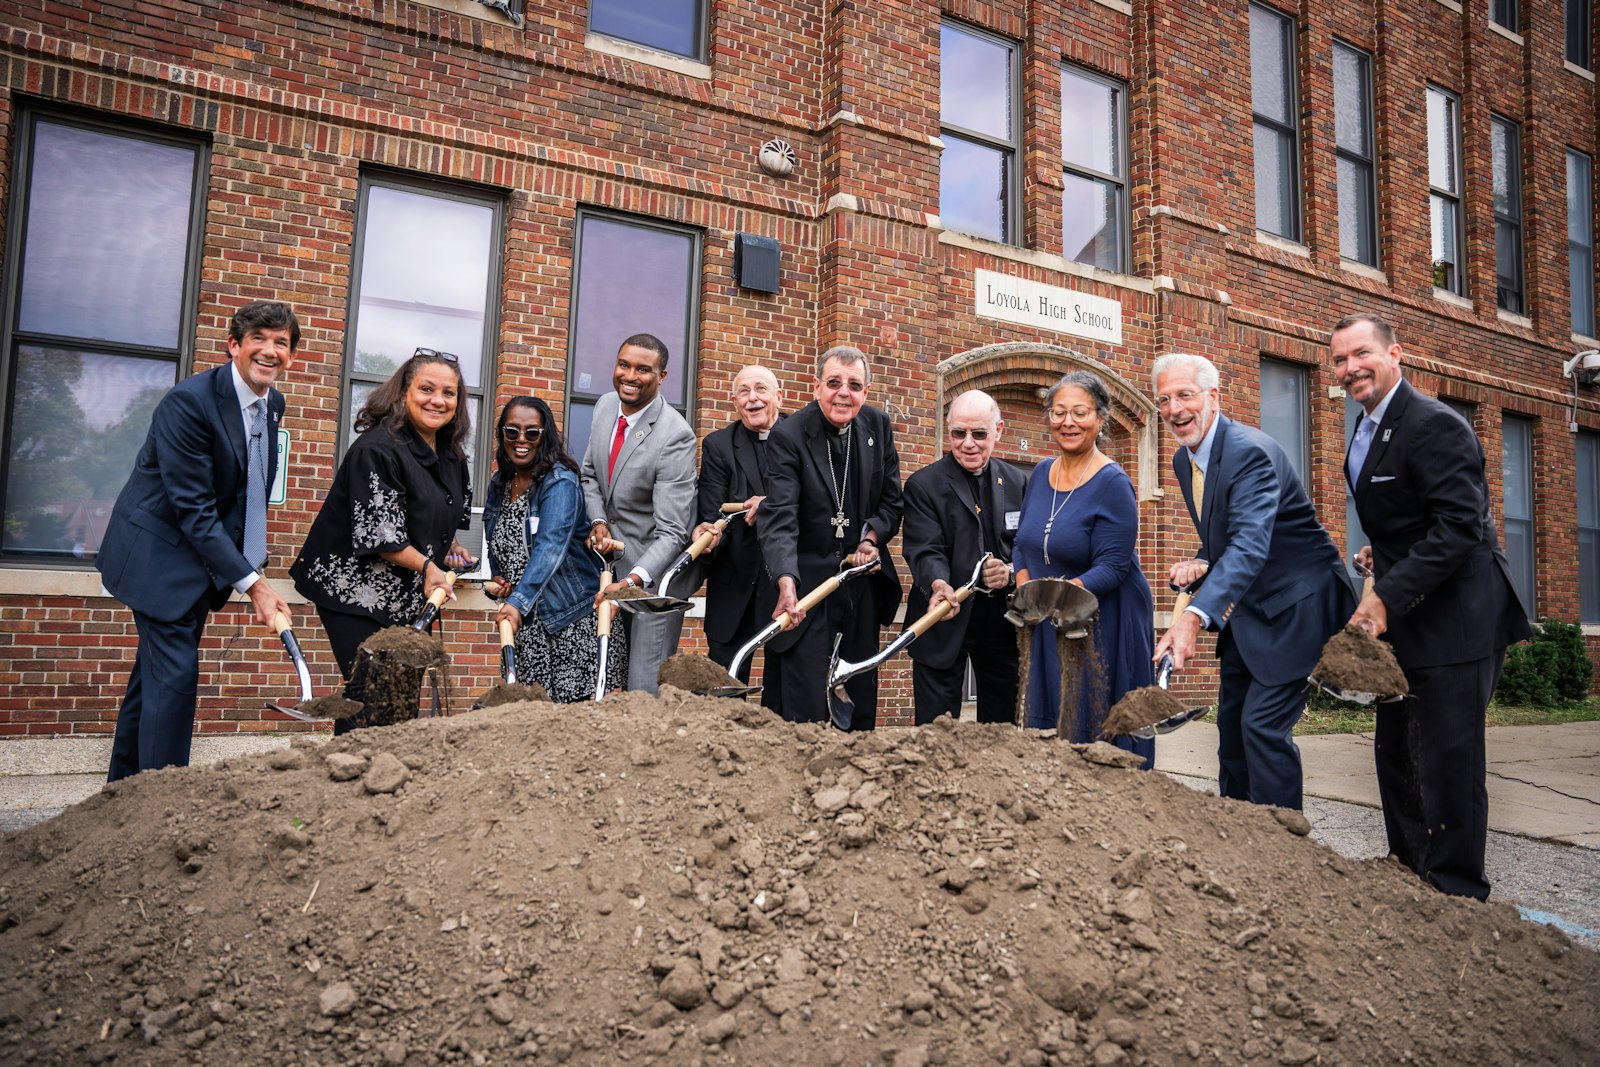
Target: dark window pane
pixel 631 279
pixel 1357 239
pixel 78 419
pixel 1091 123
pixel 1589 526
pixel 670 25
pixel 1283 409
pixel 1517 470
pixel 974 82
pixel 1275 181
pixel 1446 251
pixel 1506 169
pixel 1580 242
pixel 972 188
pixel 1578 31
pixel 1091 223
pixel 1504 13
pixel 106 245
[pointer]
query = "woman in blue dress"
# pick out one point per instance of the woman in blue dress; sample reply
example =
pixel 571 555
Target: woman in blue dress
pixel 1080 521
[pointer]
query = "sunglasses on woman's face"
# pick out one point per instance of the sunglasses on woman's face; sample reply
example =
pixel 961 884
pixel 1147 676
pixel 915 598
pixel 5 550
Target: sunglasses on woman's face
pixel 518 433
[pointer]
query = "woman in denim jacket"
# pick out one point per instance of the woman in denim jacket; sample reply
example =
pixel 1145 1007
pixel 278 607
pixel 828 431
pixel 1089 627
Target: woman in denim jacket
pixel 535 526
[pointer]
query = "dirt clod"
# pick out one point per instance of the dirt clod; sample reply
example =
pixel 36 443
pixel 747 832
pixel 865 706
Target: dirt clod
pixel 329 707
pixel 695 673
pixel 509 693
pixel 1356 662
pixel 1141 707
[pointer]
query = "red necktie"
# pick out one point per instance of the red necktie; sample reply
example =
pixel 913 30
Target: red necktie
pixel 616 444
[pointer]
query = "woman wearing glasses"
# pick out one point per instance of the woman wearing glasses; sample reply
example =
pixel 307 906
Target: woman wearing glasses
pixel 386 534
pixel 535 526
pixel 1080 521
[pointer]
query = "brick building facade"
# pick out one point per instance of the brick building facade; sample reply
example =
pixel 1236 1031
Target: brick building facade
pixel 525 188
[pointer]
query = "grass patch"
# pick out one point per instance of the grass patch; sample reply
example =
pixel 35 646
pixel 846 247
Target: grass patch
pixel 1324 715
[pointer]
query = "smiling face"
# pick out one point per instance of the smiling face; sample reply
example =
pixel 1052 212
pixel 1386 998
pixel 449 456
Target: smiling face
pixel 757 398
pixel 974 430
pixel 841 391
pixel 431 399
pixel 1187 409
pixel 1362 363
pixel 637 377
pixel 261 355
pixel 1074 421
pixel 520 435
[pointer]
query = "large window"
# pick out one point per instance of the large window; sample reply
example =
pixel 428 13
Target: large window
pixel 1589 527
pixel 1503 13
pixel 1358 181
pixel 1579 13
pixel 631 276
pixel 676 26
pixel 1284 408
pixel 1580 242
pixel 1277 122
pixel 1506 150
pixel 426 275
pixel 978 108
pixel 1517 467
pixel 1094 198
pixel 1444 187
pixel 105 247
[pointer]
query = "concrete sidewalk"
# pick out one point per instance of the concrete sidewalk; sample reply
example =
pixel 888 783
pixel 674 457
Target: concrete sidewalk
pixel 1544 781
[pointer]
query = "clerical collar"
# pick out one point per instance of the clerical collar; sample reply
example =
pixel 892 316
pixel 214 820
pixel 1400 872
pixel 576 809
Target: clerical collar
pixel 761 435
pixel 979 473
pixel 842 430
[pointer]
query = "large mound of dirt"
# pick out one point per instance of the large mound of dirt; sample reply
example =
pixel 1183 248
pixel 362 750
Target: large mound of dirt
pixel 693 881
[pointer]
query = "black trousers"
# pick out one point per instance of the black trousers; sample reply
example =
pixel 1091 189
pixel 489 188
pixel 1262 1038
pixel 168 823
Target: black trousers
pixel 1431 767
pixel 722 653
pixel 991 645
pixel 795 681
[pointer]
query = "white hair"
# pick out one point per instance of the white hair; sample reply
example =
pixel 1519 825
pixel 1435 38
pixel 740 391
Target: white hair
pixel 1205 371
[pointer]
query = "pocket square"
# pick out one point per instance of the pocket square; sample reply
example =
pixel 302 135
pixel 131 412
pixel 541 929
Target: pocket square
pixel 1376 478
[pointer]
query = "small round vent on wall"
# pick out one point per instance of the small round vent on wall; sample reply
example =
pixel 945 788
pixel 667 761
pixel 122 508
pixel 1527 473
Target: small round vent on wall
pixel 777 158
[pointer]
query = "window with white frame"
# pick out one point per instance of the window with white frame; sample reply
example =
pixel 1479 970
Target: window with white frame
pixel 630 276
pixel 1444 189
pixel 1503 13
pixel 103 257
pixel 1580 242
pixel 676 26
pixel 1517 469
pixel 426 274
pixel 1094 197
pixel 1357 157
pixel 1275 107
pixel 1505 140
pixel 1285 409
pixel 1589 527
pixel 979 103
pixel 1579 41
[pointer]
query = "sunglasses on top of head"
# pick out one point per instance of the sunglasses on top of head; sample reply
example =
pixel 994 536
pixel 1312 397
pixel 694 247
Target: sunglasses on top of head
pixel 434 353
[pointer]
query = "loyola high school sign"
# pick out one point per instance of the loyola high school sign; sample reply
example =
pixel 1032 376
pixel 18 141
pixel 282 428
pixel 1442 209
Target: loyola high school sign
pixel 1046 307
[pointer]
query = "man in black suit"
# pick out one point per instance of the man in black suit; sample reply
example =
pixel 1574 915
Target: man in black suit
pixel 965 504
pixel 733 467
pixel 833 499
pixel 1442 597
pixel 189 528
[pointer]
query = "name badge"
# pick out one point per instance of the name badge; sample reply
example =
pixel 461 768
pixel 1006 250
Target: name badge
pixel 533 527
pixel 1012 519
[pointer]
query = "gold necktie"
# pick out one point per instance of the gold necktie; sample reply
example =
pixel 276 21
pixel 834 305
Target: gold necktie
pixel 1197 486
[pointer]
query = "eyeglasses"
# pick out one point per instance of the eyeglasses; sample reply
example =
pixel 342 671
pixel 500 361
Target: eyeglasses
pixel 1076 414
pixel 518 433
pixel 961 433
pixel 1182 396
pixel 434 353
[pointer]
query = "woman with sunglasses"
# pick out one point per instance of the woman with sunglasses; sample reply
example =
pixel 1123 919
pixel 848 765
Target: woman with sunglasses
pixel 386 535
pixel 1080 521
pixel 535 527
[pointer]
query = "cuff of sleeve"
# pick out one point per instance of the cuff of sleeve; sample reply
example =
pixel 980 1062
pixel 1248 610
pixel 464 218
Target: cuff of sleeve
pixel 1205 620
pixel 243 584
pixel 644 575
pixel 523 604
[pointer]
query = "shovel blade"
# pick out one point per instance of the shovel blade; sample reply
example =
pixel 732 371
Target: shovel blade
pixel 653 605
pixel 841 709
pixel 1354 696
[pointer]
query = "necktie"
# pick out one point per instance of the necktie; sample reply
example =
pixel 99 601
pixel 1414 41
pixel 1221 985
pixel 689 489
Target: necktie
pixel 1197 487
pixel 616 444
pixel 1360 447
pixel 255 501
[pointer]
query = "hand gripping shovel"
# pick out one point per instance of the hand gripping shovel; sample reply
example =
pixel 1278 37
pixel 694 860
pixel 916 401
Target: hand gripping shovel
pixel 782 623
pixel 841 709
pixel 308 709
pixel 662 602
pixel 605 611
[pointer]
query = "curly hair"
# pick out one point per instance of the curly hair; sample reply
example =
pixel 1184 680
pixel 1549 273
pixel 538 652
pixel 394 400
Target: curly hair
pixel 387 404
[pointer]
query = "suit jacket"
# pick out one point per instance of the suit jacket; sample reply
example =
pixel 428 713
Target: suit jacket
pixel 795 535
pixel 943 540
pixel 649 498
pixel 1277 584
pixel 1423 501
pixel 729 471
pixel 177 530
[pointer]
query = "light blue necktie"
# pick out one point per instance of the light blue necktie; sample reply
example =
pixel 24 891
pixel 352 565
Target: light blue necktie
pixel 1360 446
pixel 255 501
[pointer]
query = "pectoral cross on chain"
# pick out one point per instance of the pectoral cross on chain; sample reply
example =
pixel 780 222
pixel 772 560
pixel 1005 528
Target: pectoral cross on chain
pixel 838 522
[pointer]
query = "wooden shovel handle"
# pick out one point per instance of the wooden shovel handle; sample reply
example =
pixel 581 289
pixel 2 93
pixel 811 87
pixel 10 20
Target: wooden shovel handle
pixel 938 612
pixel 280 623
pixel 437 597
pixel 810 600
pixel 508 636
pixel 703 542
pixel 733 507
pixel 606 608
pixel 1179 602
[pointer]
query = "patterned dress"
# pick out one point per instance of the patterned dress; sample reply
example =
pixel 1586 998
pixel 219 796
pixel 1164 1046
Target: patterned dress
pixel 564 661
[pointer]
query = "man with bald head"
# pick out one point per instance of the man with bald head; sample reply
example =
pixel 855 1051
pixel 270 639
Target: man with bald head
pixel 956 509
pixel 733 467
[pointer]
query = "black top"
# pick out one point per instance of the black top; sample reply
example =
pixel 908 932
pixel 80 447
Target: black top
pixel 391 491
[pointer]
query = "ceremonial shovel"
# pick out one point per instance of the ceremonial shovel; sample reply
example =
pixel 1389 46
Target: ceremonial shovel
pixel 606 609
pixel 1356 696
pixel 1164 675
pixel 1070 607
pixel 291 644
pixel 662 603
pixel 841 709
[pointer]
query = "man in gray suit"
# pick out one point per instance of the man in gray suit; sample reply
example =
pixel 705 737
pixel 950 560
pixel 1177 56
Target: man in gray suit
pixel 638 483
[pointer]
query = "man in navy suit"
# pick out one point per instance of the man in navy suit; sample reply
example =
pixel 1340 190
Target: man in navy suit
pixel 189 528
pixel 1441 596
pixel 1275 586
pixel 733 467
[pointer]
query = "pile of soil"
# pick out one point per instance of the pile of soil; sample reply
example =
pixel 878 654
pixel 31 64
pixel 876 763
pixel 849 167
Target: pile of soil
pixel 1141 707
pixel 695 673
pixel 686 880
pixel 1354 661
pixel 405 647
pixel 509 693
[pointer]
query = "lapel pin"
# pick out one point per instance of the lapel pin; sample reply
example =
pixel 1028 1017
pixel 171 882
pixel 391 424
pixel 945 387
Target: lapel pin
pixel 1386 434
pixel 869 442
pixel 638 435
